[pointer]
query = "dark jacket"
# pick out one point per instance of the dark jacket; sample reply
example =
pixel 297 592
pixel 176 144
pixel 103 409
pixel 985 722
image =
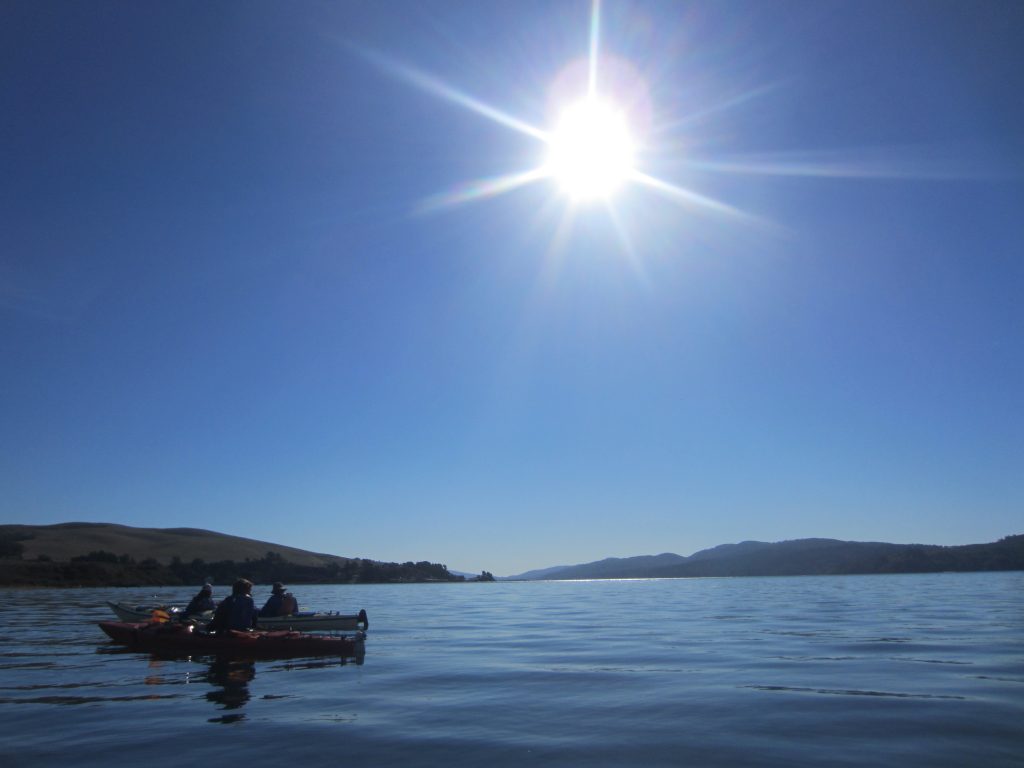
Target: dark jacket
pixel 234 612
pixel 200 603
pixel 280 605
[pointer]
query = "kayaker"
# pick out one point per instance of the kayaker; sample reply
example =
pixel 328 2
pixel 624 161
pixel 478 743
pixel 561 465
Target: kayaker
pixel 202 602
pixel 280 603
pixel 237 611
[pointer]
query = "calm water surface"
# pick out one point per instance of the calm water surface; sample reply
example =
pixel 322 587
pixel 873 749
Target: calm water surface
pixel 912 670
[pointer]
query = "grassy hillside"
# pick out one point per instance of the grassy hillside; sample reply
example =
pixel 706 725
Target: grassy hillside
pixel 65 541
pixel 103 554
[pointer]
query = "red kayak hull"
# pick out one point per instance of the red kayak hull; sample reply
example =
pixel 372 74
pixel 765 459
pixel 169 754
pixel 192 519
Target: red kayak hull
pixel 179 638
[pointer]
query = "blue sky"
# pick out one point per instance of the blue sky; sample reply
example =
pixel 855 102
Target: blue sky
pixel 229 299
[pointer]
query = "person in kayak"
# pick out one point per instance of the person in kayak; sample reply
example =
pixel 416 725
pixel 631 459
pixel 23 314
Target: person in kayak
pixel 280 603
pixel 237 611
pixel 202 602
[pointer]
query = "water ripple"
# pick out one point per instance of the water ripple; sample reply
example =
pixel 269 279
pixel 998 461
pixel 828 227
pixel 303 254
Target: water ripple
pixel 850 692
pixel 864 671
pixel 85 699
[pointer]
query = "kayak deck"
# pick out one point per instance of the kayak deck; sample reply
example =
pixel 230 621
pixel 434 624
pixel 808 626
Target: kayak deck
pixel 142 613
pixel 255 644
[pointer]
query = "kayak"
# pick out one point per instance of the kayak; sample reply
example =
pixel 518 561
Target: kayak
pixel 184 638
pixel 316 622
pixel 145 612
pixel 307 621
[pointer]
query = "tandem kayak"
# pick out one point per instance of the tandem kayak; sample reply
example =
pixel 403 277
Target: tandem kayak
pixel 316 622
pixel 184 638
pixel 136 613
pixel 307 621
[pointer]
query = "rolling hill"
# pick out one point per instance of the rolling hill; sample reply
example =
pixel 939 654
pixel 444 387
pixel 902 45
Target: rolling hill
pixel 105 554
pixel 64 541
pixel 800 557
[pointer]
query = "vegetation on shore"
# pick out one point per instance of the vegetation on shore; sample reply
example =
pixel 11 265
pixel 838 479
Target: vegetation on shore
pixel 40 556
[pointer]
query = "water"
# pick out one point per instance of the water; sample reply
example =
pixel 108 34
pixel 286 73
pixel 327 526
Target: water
pixel 909 670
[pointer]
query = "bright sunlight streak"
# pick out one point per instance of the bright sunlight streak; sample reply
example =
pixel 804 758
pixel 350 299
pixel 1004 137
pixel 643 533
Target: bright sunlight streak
pixel 590 151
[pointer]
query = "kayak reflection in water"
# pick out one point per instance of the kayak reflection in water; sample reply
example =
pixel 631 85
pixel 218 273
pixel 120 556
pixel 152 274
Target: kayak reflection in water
pixel 231 679
pixel 280 603
pixel 237 611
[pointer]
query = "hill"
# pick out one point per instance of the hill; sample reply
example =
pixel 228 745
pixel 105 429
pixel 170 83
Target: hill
pixel 801 557
pixel 609 568
pixel 64 541
pixel 105 554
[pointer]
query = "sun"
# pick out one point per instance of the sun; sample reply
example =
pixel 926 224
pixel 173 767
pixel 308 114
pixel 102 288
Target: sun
pixel 590 152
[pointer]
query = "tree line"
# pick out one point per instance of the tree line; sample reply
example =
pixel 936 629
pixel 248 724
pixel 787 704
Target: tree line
pixel 104 568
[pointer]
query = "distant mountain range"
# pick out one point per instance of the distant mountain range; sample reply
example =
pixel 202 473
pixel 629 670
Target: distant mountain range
pixel 108 554
pixel 799 557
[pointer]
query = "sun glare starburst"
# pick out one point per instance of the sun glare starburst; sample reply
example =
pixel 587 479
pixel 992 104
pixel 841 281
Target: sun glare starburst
pixel 590 152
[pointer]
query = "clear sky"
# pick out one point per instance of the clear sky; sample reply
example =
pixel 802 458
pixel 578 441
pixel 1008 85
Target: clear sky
pixel 250 279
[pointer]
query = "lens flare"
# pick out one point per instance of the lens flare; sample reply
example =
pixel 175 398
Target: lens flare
pixel 590 153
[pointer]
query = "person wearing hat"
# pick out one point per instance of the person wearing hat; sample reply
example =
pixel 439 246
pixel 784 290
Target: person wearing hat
pixel 202 602
pixel 237 611
pixel 280 603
